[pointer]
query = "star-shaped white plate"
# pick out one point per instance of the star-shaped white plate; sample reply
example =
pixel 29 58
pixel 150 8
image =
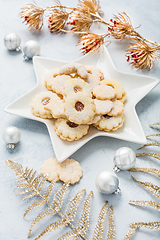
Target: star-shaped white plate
pixel 136 86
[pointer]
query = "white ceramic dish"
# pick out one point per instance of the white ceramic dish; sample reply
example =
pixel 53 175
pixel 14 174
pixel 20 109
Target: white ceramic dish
pixel 136 86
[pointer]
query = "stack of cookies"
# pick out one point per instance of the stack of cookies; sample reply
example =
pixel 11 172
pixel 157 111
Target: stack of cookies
pixel 78 96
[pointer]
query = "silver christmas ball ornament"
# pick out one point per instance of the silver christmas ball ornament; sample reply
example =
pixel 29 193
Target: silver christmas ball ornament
pixel 11 136
pixel 12 41
pixel 31 49
pixel 107 182
pixel 124 158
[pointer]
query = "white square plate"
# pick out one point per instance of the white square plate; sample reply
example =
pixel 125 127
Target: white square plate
pixel 136 86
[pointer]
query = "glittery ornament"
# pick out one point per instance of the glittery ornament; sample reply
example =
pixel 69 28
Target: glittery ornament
pixel 124 159
pixel 31 49
pixel 107 182
pixel 12 41
pixel 11 136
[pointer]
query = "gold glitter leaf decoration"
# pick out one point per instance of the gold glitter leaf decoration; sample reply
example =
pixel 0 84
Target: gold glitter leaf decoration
pixel 153 189
pixel 98 231
pixel 150 144
pixel 33 184
pixel 150 225
pixel 129 234
pixel 17 167
pixel 72 206
pixel 52 227
pixel 83 223
pixel 47 212
pixel 59 197
pixel 149 170
pixel 68 236
pixel 153 135
pixel 154 155
pixel 111 229
pixel 33 206
pixel 54 208
pixel 154 124
pixel 153 204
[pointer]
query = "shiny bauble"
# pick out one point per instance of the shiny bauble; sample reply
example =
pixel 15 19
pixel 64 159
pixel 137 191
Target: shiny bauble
pixel 11 136
pixel 124 158
pixel 31 49
pixel 107 182
pixel 12 41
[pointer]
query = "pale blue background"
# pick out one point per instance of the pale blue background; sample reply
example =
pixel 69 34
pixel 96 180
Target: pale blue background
pixel 17 77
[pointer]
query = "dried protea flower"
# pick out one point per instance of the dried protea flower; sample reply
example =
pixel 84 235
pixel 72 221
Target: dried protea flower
pixel 142 55
pixel 91 6
pixel 33 16
pixel 91 42
pixel 121 26
pixel 80 21
pixel 57 18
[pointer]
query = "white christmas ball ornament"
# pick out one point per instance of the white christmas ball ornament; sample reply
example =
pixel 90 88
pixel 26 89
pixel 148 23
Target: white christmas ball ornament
pixel 124 158
pixel 31 49
pixel 107 182
pixel 12 41
pixel 11 136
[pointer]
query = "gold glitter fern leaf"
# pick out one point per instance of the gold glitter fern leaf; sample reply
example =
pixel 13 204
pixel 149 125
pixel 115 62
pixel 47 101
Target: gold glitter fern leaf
pixel 150 225
pixel 32 184
pixel 153 204
pixel 98 231
pixel 146 170
pixel 153 189
pixel 111 229
pixel 129 234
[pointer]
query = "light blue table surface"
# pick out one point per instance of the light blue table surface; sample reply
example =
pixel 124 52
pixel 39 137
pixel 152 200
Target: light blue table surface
pixel 17 77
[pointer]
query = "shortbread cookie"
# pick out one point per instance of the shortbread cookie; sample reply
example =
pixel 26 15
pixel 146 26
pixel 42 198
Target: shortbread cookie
pixel 49 169
pixel 56 85
pixel 76 85
pixel 56 107
pixel 49 77
pixel 74 68
pixel 108 123
pixel 117 109
pixel 124 97
pixel 116 85
pixel 95 119
pixel 103 106
pixel 79 108
pixel 68 130
pixel 95 71
pixel 104 92
pixel 39 103
pixel 69 171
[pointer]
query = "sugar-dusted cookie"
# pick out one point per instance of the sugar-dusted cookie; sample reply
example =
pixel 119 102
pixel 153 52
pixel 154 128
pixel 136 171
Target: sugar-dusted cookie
pixel 40 101
pixel 108 123
pixel 95 71
pixel 68 130
pixel 103 106
pixel 116 85
pixel 76 85
pixel 70 68
pixel 49 77
pixel 104 92
pixel 124 97
pixel 69 171
pixel 117 109
pixel 79 108
pixel 95 119
pixel 56 107
pixel 49 169
pixel 56 85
